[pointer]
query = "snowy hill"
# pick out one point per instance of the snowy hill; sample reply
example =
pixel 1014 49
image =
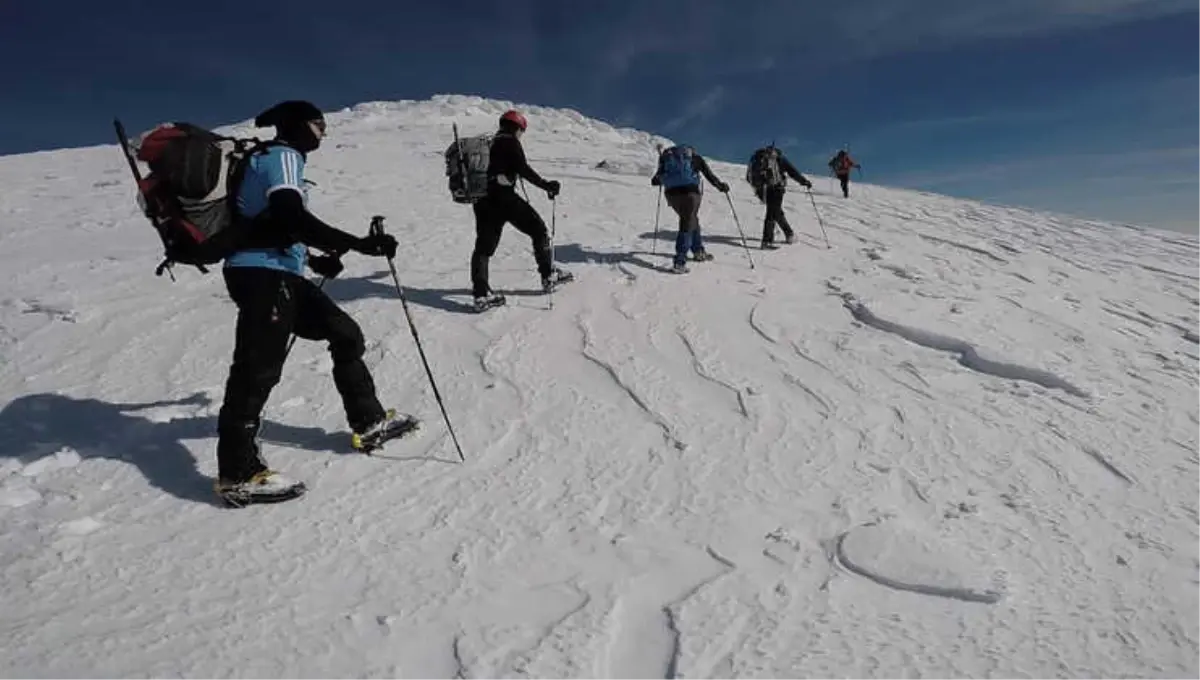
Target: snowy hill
pixel 960 442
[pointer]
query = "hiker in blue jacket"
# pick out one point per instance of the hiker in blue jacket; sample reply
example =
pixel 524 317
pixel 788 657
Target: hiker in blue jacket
pixel 275 300
pixel 679 170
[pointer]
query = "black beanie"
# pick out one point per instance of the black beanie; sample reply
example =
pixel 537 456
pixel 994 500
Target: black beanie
pixel 288 113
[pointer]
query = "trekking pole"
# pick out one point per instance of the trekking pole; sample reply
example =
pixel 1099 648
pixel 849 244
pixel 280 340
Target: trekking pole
pixel 657 211
pixel 739 228
pixel 818 213
pixel 553 229
pixel 377 228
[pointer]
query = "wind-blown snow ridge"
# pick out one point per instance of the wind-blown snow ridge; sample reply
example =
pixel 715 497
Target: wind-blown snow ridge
pixel 874 543
pixel 588 352
pixel 968 356
pixel 703 372
pixel 974 249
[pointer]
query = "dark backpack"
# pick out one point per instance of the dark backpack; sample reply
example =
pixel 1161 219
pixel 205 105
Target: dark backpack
pixel 675 168
pixel 466 167
pixel 763 170
pixel 190 194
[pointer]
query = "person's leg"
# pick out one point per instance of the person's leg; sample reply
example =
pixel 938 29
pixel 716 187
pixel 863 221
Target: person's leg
pixel 266 313
pixel 489 224
pixel 319 318
pixel 527 221
pixel 682 205
pixel 697 244
pixel 776 207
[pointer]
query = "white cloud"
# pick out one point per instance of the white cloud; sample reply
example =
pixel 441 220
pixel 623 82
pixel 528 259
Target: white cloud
pixel 760 36
pixel 701 107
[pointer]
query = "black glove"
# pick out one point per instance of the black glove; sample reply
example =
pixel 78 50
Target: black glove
pixel 552 189
pixel 655 181
pixel 806 184
pixel 328 266
pixel 378 244
pixel 723 187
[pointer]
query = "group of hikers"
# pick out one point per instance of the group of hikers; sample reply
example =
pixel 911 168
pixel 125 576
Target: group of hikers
pixel 264 264
pixel 678 176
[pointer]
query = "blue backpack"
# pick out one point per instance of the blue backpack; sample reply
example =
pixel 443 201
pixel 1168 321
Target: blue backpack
pixel 675 168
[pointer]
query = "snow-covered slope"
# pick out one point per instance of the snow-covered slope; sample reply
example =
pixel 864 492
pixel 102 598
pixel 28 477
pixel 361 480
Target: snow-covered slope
pixel 962 441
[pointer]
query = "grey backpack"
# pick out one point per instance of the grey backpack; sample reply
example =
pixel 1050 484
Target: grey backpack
pixel 466 167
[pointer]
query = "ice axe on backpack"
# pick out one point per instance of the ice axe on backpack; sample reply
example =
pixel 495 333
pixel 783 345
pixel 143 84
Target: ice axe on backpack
pixel 376 229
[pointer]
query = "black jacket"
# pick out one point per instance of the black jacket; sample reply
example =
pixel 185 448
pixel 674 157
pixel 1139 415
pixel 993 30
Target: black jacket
pixel 790 170
pixel 506 162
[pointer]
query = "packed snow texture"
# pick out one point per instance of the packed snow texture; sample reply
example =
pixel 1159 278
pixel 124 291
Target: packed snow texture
pixel 960 442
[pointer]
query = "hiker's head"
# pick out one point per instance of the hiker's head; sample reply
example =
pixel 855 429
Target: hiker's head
pixel 299 123
pixel 513 122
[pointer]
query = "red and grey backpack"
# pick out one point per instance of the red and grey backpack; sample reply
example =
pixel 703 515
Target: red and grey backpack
pixel 190 194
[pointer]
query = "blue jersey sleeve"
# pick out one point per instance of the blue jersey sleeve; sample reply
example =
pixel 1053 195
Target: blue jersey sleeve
pixel 283 168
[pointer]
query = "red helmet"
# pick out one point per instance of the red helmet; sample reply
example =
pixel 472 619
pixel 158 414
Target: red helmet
pixel 515 118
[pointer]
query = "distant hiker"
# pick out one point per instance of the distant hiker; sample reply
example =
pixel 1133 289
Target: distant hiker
pixel 841 165
pixel 274 300
pixel 767 173
pixel 679 170
pixel 501 205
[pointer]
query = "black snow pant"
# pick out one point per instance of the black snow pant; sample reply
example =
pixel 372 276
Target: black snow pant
pixel 271 306
pixel 845 180
pixel 492 212
pixel 773 198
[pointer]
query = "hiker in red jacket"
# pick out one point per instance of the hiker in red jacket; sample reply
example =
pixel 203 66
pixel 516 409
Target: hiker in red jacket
pixel 842 164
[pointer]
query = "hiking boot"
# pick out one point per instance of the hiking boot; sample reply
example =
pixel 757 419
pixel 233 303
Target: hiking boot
pixel 486 302
pixel 679 268
pixel 267 486
pixel 393 424
pixel 557 276
pixel 767 245
pixel 702 256
pixel 789 238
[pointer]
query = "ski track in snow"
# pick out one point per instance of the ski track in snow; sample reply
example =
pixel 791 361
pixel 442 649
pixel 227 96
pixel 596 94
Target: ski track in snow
pixel 731 473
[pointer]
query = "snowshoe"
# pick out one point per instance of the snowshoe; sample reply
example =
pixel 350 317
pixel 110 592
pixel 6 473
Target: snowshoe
pixel 702 256
pixel 267 486
pixel 769 246
pixel 486 302
pixel 789 239
pixel 393 426
pixel 679 268
pixel 556 278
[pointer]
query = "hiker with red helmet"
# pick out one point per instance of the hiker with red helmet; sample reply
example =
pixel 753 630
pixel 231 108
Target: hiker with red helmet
pixel 502 205
pixel 842 164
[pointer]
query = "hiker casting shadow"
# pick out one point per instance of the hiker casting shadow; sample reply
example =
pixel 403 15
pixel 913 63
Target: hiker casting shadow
pixel 39 425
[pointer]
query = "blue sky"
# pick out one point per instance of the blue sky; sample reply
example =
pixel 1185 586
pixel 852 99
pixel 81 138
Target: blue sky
pixel 1087 107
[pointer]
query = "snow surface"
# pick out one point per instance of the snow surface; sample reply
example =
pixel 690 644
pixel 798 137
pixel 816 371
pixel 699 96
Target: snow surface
pixel 960 442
